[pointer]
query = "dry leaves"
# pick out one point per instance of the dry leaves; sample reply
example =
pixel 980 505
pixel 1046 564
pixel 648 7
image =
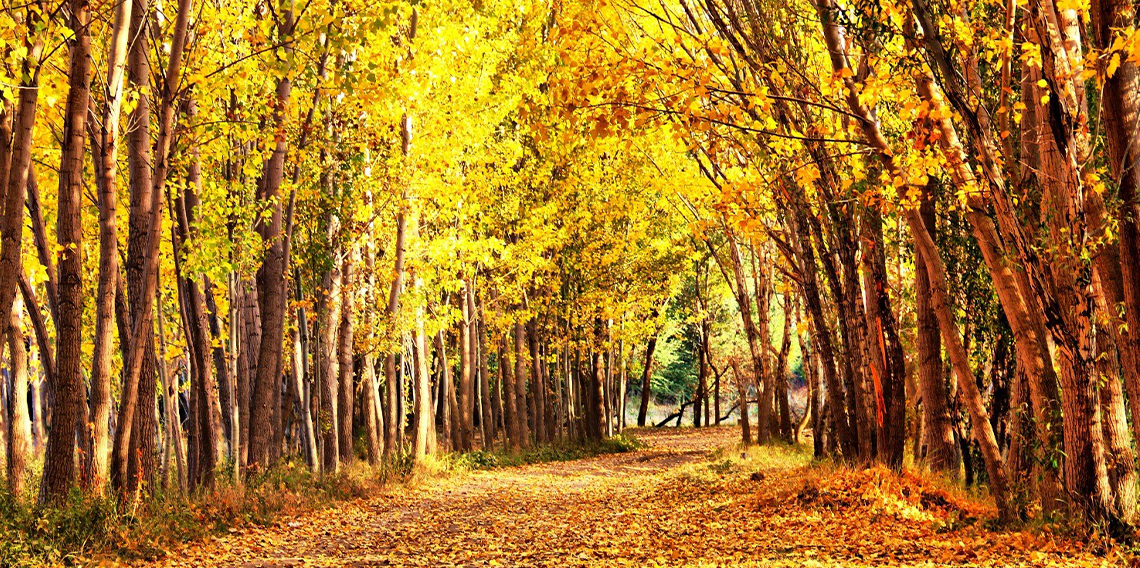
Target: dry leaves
pixel 671 505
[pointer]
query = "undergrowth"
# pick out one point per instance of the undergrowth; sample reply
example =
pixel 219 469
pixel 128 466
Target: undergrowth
pixel 86 526
pixel 556 452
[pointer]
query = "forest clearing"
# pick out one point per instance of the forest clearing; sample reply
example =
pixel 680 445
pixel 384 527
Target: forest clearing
pixel 330 260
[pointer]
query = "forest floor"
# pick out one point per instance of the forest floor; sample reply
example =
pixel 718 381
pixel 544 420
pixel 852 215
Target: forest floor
pixel 685 500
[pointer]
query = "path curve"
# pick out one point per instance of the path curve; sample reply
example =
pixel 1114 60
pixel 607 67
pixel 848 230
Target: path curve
pixel 577 513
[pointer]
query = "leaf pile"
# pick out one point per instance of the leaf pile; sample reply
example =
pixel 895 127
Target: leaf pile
pixel 879 491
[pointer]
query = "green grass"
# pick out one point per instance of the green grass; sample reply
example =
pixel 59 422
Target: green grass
pixel 557 452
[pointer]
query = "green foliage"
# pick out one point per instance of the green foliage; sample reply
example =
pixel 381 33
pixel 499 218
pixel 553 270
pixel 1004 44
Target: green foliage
pixel 34 536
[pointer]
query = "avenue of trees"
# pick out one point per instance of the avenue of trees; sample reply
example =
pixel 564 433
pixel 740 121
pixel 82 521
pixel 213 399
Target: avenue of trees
pixel 242 232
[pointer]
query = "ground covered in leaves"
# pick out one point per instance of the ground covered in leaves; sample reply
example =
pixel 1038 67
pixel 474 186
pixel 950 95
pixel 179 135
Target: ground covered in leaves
pixel 686 500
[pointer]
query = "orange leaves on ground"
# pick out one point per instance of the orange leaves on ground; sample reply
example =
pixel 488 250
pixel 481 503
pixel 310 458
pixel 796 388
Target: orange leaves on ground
pixel 674 504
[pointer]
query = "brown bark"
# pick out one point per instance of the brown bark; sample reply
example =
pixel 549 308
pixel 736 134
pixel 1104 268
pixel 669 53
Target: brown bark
pixel 646 376
pixel 271 293
pixel 487 419
pixel 97 467
pixel 1120 114
pixel 884 345
pixel 425 438
pixel 507 375
pixel 844 434
pixel 328 310
pixel 781 377
pixel 742 398
pixel 133 458
pixel 18 156
pixel 520 384
pixel 393 422
pixel 538 383
pixel 757 344
pixel 345 364
pixel 18 435
pixel 67 392
pixel 466 401
pixel 942 451
pixel 594 426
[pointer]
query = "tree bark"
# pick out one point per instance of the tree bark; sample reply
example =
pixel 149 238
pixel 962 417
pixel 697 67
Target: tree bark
pixel 646 376
pixel 520 384
pixel 328 312
pixel 67 392
pixel 18 423
pixel 942 451
pixel 345 364
pixel 466 402
pixel 97 468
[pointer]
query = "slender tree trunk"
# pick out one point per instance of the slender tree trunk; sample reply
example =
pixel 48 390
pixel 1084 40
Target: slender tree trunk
pixel 328 312
pixel 843 434
pixel 466 401
pixel 742 396
pixel 133 459
pixel 514 430
pixel 488 416
pixel 781 377
pixel 942 450
pixel 98 460
pixel 67 392
pixel 17 155
pixel 271 293
pixel 345 364
pixel 425 438
pixel 18 423
pixel 520 384
pixel 301 379
pixel 936 270
pixel 393 422
pixel 646 376
pixel 538 383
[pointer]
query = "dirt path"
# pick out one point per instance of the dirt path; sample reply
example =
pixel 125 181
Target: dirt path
pixel 677 503
pixel 557 514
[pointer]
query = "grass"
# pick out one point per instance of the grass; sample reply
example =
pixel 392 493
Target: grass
pixel 87 526
pixel 557 452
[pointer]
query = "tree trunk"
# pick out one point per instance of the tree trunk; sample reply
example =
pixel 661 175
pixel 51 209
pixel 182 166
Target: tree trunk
pixel 97 468
pixel 466 402
pixel 488 417
pixel 942 451
pixel 393 422
pixel 301 380
pixel 425 438
pixel 1120 114
pixel 843 434
pixel 742 396
pixel 345 364
pixel 67 392
pixel 328 313
pixel 18 423
pixel 271 293
pixel 936 270
pixel 646 376
pixel 520 384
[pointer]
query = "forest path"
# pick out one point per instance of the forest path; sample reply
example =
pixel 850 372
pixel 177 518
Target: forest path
pixel 683 501
pixel 605 510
